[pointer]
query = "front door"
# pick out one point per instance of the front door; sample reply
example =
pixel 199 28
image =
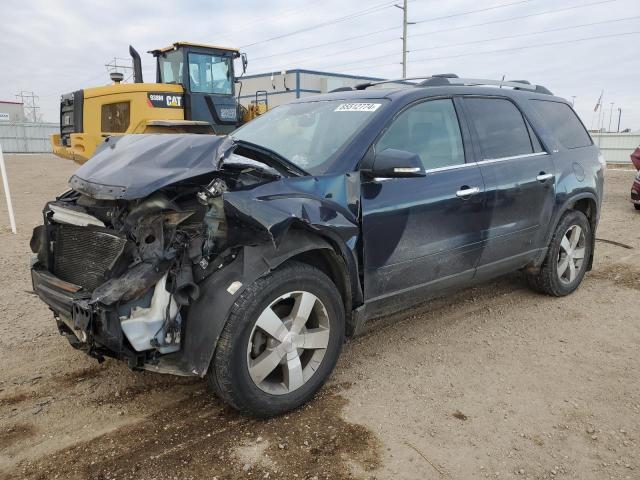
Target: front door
pixel 420 234
pixel 519 178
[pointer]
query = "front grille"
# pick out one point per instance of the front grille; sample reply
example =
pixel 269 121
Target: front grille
pixel 85 256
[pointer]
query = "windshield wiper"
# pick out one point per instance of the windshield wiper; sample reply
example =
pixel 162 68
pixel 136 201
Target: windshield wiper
pixel 280 162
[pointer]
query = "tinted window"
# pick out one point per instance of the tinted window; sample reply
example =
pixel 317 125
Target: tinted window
pixel 500 127
pixel 564 123
pixel 429 129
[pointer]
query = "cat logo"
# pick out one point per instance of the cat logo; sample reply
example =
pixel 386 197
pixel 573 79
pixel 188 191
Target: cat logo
pixel 174 101
pixel 164 100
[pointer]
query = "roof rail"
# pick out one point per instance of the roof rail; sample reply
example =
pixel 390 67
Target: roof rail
pixel 407 81
pixel 452 79
pixel 515 84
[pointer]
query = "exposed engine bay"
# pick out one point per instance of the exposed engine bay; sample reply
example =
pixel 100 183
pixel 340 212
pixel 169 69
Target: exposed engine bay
pixel 119 250
pixel 122 257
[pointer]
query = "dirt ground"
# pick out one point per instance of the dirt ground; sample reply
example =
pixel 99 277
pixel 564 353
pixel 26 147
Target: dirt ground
pixel 493 382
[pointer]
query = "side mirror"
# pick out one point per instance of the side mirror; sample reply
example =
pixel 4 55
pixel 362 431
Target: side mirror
pixel 245 62
pixel 392 163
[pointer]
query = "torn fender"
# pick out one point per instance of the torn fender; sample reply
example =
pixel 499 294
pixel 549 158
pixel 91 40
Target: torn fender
pixel 208 315
pixel 267 212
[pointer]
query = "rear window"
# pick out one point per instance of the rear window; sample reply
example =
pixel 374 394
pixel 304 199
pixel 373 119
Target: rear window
pixel 502 131
pixel 563 122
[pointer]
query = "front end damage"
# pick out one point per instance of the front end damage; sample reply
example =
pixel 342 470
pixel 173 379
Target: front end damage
pixel 160 234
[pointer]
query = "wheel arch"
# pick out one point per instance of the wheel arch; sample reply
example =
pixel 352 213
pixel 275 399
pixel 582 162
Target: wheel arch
pixel 207 316
pixel 585 202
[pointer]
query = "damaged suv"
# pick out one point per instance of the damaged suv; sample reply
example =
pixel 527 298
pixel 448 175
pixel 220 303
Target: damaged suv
pixel 247 259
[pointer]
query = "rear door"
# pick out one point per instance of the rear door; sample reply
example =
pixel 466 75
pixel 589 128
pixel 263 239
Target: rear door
pixel 423 232
pixel 519 179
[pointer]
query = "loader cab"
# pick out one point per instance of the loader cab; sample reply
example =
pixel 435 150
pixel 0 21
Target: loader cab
pixel 207 75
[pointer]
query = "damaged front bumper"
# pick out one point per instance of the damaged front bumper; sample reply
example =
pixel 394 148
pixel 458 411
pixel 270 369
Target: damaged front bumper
pixel 93 329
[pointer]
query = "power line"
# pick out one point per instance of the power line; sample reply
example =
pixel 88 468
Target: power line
pixel 486 52
pixel 492 22
pixel 506 37
pixel 355 37
pixel 462 27
pixel 342 40
pixel 258 21
pixel 495 7
pixel 571 27
pixel 524 47
pixel 351 16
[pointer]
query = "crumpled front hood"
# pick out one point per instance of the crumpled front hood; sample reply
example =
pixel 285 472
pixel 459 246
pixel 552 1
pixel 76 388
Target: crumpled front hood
pixel 133 166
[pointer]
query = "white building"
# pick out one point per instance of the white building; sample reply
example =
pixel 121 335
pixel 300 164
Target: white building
pixel 285 86
pixel 11 111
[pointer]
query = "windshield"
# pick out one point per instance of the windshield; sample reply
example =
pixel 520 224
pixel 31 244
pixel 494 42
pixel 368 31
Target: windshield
pixel 210 73
pixel 308 134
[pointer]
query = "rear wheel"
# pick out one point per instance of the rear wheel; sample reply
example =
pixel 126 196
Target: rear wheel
pixel 567 257
pixel 636 206
pixel 281 341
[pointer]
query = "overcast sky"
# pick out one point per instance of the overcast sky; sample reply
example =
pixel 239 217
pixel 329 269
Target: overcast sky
pixel 53 47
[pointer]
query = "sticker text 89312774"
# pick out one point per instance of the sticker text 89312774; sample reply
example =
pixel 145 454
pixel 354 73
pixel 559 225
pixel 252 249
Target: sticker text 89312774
pixel 357 107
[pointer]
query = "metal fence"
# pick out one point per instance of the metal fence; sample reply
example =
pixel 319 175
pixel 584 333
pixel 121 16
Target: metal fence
pixel 617 147
pixel 24 137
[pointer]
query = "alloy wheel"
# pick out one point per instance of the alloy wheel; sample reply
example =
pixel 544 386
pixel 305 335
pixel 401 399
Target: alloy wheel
pixel 571 254
pixel 288 342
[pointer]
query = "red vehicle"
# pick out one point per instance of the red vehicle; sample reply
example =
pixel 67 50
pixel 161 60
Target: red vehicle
pixel 635 188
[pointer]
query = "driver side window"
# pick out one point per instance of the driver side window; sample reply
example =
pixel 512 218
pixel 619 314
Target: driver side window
pixel 429 129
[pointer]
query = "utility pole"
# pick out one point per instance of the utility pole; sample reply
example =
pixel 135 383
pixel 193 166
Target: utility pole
pixel 573 100
pixel 404 36
pixel 610 115
pixel 404 39
pixel 619 115
pixel 30 105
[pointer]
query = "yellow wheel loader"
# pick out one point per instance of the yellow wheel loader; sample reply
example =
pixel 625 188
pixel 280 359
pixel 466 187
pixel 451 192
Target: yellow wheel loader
pixel 194 93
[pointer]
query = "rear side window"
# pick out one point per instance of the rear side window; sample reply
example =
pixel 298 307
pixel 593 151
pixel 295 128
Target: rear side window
pixel 502 131
pixel 563 122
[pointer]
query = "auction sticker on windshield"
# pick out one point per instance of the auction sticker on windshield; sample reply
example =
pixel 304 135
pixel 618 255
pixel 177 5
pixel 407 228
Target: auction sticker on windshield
pixel 357 107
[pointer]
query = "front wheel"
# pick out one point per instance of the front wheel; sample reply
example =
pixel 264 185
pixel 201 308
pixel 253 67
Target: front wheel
pixel 567 257
pixel 281 341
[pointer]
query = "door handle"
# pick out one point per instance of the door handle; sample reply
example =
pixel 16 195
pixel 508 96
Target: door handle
pixel 467 191
pixel 543 177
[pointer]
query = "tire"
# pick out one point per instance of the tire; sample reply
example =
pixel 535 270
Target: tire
pixel 636 206
pixel 548 280
pixel 235 370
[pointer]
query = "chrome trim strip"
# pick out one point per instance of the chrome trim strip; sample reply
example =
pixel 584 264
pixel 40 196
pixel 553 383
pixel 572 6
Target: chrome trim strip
pixel 514 157
pixel 481 162
pixel 450 167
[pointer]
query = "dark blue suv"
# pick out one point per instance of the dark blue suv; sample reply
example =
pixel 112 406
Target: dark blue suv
pixel 248 258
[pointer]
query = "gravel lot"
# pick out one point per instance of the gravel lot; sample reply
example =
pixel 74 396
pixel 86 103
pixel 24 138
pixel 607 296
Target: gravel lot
pixel 493 382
